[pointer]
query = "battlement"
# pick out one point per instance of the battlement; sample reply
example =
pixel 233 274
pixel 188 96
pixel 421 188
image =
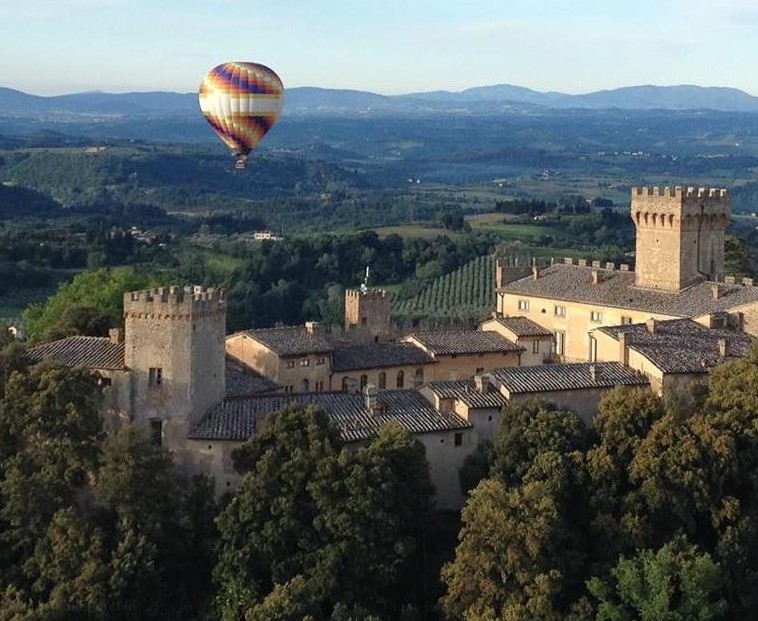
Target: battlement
pixel 370 293
pixel 680 192
pixel 175 301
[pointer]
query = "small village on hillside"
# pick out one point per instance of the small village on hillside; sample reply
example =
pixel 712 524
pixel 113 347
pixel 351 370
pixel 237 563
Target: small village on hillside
pixel 566 332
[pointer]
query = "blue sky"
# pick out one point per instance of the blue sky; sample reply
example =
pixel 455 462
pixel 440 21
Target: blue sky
pixel 386 46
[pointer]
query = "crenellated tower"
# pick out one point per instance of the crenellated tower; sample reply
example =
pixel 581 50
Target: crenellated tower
pixel 174 345
pixel 680 235
pixel 368 313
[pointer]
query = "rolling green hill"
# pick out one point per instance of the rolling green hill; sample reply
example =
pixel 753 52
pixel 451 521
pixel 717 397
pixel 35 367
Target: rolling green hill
pixel 467 293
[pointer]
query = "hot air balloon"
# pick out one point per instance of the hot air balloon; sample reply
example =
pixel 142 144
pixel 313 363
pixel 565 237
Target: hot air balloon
pixel 241 101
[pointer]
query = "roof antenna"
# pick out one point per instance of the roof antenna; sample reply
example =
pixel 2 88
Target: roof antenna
pixel 364 286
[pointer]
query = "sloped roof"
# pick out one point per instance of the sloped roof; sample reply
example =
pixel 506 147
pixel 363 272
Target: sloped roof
pixel 465 391
pixel 523 326
pixel 573 283
pixel 238 418
pixel 448 342
pixel 93 352
pixel 569 376
pixel 291 340
pixel 241 380
pixel 681 345
pixel 378 355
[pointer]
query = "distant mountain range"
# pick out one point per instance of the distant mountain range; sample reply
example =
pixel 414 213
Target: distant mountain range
pixel 320 101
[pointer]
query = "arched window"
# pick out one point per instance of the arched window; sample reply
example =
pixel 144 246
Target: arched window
pixel 418 378
pixel 305 385
pixel 382 380
pixel 400 379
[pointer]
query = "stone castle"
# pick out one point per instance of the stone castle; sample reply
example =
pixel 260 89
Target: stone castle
pixel 202 393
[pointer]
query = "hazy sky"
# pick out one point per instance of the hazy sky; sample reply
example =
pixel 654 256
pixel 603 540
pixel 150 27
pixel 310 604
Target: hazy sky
pixel 385 46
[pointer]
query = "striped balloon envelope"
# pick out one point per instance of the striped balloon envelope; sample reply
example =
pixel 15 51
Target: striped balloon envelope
pixel 241 101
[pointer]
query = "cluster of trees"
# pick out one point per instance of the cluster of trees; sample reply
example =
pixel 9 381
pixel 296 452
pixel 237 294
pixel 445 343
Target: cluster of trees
pixel 533 206
pixel 321 531
pixel 92 528
pixel 301 278
pixel 651 515
pixel 101 526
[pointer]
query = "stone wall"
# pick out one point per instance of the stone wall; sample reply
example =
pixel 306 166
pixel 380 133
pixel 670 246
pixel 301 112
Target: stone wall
pixel 174 346
pixel 680 235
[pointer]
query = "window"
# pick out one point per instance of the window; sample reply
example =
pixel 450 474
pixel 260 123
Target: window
pixel 400 379
pixel 458 439
pixel 305 385
pixel 419 378
pixel 290 364
pixel 559 311
pixel 596 317
pixel 344 384
pixel 103 381
pixel 364 381
pixel 382 380
pixel 479 369
pixel 535 346
pixel 523 305
pixel 305 363
pixel 626 320
pixel 156 431
pixel 155 376
pixel 320 360
pixel 319 386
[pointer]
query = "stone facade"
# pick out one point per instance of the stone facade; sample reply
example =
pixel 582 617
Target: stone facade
pixel 174 350
pixel 680 235
pixel 368 314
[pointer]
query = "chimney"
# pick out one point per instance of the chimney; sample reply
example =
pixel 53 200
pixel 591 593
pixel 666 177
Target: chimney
pixel 311 327
pixel 370 399
pixel 623 350
pixel 715 291
pixel 652 326
pixel 593 372
pixel 535 272
pixel 724 349
pixel 482 382
pixel 597 277
pixel 116 335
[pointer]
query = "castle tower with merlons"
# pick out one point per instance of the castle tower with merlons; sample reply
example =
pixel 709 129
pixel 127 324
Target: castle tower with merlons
pixel 367 314
pixel 174 346
pixel 680 235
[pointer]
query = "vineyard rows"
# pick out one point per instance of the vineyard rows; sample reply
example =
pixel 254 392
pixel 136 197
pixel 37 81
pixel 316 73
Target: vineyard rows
pixel 466 293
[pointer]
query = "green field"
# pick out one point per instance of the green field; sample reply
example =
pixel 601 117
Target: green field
pixel 494 223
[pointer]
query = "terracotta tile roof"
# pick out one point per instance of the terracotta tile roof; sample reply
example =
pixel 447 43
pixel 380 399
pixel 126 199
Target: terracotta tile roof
pixel 238 418
pixel 570 376
pixel 378 355
pixel 465 391
pixel 291 340
pixel 523 326
pixel 242 380
pixel 94 352
pixel 681 345
pixel 464 342
pixel 616 289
